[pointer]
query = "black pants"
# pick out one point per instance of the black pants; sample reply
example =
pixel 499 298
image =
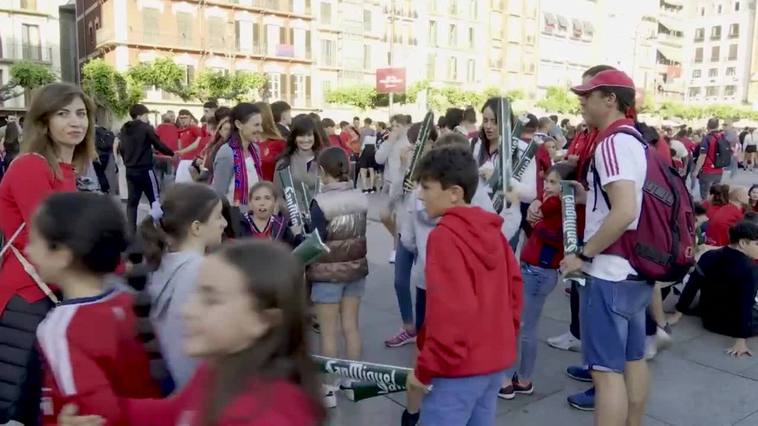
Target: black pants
pixel 574 301
pixel 20 361
pixel 100 166
pixel 139 181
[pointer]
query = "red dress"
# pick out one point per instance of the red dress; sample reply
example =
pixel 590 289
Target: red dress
pixel 28 181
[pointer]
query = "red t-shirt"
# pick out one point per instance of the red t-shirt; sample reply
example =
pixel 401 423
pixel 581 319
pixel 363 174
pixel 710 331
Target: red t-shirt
pixel 168 133
pixel 708 148
pixel 188 135
pixel 28 181
pixel 334 140
pixel 664 150
pixel 270 150
pixel 717 233
pixel 710 209
pixel 543 165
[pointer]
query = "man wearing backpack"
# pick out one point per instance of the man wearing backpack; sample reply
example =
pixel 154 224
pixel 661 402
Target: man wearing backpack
pixel 619 296
pixel 714 154
pixel 104 140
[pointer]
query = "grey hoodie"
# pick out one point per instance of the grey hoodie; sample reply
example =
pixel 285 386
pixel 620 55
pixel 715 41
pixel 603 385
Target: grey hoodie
pixel 170 287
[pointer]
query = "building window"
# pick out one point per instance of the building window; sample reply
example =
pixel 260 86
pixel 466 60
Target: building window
pixel 715 53
pixel 711 91
pixel 308 44
pixel 700 34
pixel 431 66
pixel 734 30
pixel 366 20
pixel 150 24
pixel 275 85
pixel 31 42
pixel 719 8
pixel 471 71
pixel 189 74
pixel 28 4
pixel 433 33
pixel 730 90
pixel 300 85
pixel 694 92
pixel 326 13
pixel 366 57
pixel 474 9
pixel 329 53
pixel 732 52
pixel 326 87
pixel 696 73
pixel 698 55
pixel 731 71
pixel 736 6
pixel 713 72
pixel 216 33
pixel 184 28
pixel 452 40
pixel 471 37
pixel 702 10
pixel 716 32
pixel 452 68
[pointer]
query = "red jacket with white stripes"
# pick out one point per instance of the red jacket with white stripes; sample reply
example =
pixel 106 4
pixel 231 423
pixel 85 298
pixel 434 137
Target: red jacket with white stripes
pixel 93 358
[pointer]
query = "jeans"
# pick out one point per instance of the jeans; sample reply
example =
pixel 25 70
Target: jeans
pixel 139 181
pixel 100 167
pixel 538 283
pixel 403 263
pixel 462 401
pixel 706 181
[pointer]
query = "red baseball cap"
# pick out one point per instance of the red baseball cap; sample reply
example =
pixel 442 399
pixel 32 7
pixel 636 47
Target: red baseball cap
pixel 608 78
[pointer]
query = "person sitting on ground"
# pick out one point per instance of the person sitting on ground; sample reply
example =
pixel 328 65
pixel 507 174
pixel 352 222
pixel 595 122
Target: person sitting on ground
pixel 717 233
pixel 728 280
pixel 718 197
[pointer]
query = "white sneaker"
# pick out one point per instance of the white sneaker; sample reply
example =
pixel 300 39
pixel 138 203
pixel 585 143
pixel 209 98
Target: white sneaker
pixel 330 396
pixel 392 257
pixel 662 339
pixel 651 348
pixel 565 342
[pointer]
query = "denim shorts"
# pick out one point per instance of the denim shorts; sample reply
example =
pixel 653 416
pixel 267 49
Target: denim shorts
pixel 327 292
pixel 612 317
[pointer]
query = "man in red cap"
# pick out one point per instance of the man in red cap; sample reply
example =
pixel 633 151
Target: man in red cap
pixel 613 325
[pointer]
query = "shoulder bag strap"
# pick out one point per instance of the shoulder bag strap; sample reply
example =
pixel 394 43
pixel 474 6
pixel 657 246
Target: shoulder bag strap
pixel 28 267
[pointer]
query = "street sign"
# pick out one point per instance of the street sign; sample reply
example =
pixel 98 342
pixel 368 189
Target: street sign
pixel 390 80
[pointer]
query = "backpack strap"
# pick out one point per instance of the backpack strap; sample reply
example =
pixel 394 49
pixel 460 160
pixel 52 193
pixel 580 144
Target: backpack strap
pixel 596 175
pixel 28 267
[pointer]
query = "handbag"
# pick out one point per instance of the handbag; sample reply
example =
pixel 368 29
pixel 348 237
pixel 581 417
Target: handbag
pixel 28 267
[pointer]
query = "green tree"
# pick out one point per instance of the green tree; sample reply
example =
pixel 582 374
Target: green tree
pixel 164 74
pixel 558 99
pixel 25 75
pixel 240 86
pixel 360 96
pixel 109 88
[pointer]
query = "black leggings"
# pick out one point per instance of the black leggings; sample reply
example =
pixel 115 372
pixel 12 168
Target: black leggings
pixel 139 181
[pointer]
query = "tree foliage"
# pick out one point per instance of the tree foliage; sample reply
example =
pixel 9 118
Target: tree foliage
pixel 361 96
pixel 110 88
pixel 165 74
pixel 26 75
pixel 558 99
pixel 240 86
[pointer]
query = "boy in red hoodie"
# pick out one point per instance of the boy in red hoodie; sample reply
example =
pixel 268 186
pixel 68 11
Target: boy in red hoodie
pixel 474 298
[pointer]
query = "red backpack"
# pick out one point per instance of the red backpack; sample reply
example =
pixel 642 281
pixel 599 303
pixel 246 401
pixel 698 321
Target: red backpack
pixel 662 247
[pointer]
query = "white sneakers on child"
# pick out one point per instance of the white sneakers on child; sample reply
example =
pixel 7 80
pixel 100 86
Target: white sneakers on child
pixel 565 342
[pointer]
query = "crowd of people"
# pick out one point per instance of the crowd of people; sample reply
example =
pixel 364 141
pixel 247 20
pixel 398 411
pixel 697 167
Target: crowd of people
pixel 200 314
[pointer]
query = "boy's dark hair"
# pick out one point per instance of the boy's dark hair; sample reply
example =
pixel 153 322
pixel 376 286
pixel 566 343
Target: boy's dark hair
pixel 554 118
pixel 381 125
pixel 450 165
pixel 441 122
pixel 564 170
pixel 278 108
pixel 469 114
pixel 211 104
pixel 597 69
pixel 401 119
pixel 414 130
pixel 136 110
pixel 367 121
pixel 744 230
pixel 335 163
pixel 327 122
pixel 344 123
pixel 453 118
pixel 184 112
pixel 452 139
pixel 356 118
pixel 720 194
pixel 90 225
pixel 624 97
pixel 699 209
pixel 221 113
pixel 713 123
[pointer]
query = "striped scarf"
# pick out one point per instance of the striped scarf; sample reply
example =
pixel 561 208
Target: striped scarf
pixel 240 169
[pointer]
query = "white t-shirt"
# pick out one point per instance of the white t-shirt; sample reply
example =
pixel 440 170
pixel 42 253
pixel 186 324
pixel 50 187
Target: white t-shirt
pixel 618 157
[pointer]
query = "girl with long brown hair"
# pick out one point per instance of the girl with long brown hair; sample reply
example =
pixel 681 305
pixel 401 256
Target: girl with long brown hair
pixel 271 143
pixel 58 143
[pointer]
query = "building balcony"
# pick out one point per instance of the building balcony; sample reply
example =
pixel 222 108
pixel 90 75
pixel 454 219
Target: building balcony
pixel 13 52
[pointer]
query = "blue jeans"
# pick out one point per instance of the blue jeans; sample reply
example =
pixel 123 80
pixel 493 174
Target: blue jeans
pixel 420 307
pixel 613 322
pixel 538 283
pixel 462 401
pixel 403 263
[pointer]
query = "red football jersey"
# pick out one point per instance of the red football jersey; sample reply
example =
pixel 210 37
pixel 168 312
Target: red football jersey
pixel 93 358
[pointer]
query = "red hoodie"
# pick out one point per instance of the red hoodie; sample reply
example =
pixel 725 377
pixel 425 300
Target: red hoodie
pixel 278 403
pixel 474 298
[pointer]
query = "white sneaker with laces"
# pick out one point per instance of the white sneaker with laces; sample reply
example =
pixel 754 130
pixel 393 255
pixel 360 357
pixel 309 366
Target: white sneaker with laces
pixel 662 339
pixel 330 396
pixel 651 348
pixel 565 342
